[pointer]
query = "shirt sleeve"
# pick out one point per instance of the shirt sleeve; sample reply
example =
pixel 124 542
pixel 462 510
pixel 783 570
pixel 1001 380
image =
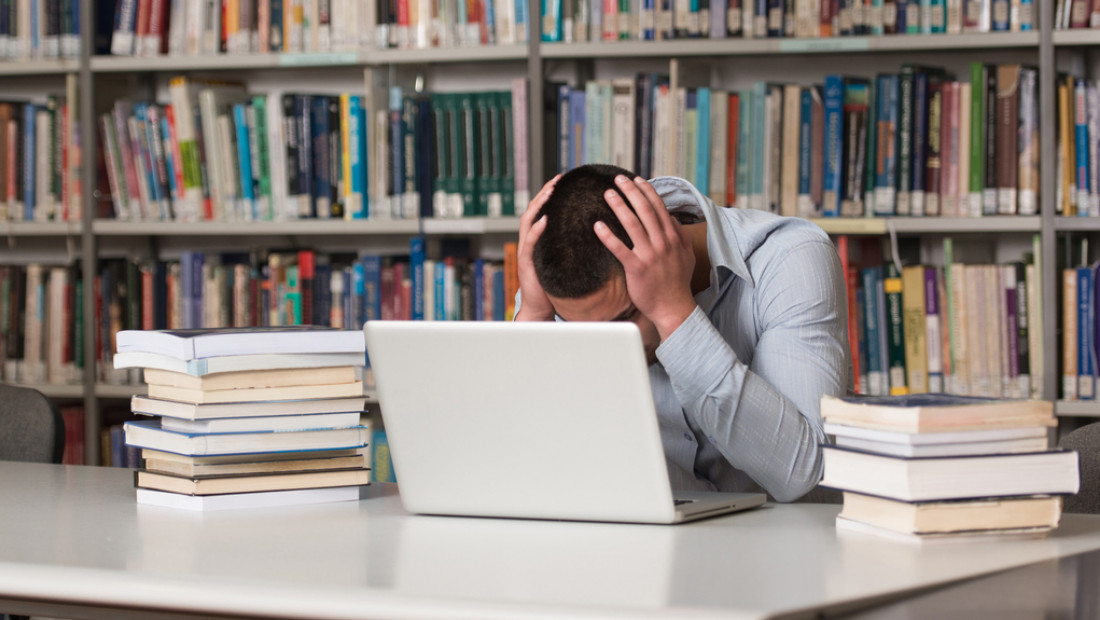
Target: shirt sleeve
pixel 765 417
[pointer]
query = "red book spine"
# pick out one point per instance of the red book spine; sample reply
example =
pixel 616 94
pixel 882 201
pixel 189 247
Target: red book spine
pixel 307 272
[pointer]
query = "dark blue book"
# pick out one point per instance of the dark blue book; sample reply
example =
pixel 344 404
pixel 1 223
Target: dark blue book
pixel 275 39
pixel 479 289
pixel 416 277
pixel 834 145
pixel 920 142
pixel 29 145
pixel 426 173
pixel 499 302
pixel 372 287
pixel 303 105
pixel 321 189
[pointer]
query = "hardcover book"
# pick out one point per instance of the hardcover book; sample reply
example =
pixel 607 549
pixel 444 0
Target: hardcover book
pixel 190 344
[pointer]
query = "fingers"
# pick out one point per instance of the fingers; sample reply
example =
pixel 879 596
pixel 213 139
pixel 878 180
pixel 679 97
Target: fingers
pixel 658 204
pixel 614 244
pixel 644 207
pixel 535 206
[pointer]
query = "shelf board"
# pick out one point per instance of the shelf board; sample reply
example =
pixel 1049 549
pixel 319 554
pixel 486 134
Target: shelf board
pixel 39 229
pixel 748 47
pixel 295 227
pixel 1067 223
pixel 110 390
pixel 480 53
pixel 58 390
pixel 222 62
pixel 1077 408
pixel 920 225
pixel 237 62
pixel 471 225
pixel 1076 36
pixel 40 67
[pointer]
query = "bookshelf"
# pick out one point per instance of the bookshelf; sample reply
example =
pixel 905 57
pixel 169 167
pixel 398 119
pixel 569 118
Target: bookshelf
pixel 98 76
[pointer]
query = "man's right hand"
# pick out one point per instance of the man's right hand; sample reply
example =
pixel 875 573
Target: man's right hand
pixel 535 306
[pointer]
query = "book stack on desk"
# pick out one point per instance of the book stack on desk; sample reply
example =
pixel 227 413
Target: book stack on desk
pixel 930 467
pixel 252 417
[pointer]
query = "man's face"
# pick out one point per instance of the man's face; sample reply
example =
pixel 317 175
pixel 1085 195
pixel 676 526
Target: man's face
pixel 610 303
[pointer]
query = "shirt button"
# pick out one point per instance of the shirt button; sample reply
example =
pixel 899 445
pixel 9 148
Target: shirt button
pixel 688 436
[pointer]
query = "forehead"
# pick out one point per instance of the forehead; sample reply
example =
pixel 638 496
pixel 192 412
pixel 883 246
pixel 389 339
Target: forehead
pixel 610 302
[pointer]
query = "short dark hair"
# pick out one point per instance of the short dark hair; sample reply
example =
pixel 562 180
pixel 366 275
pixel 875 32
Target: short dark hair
pixel 570 260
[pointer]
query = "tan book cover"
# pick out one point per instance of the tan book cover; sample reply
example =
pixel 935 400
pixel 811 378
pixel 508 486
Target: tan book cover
pixel 277 377
pixel 1069 334
pixel 292 392
pixel 913 315
pixel 954 516
pixel 250 483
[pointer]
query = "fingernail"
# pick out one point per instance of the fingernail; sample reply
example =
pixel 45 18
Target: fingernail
pixel 620 178
pixel 601 226
pixel 639 180
pixel 610 193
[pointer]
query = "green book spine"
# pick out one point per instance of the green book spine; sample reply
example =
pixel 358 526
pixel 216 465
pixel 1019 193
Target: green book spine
pixel 468 154
pixel 905 140
pixel 507 155
pixel 483 103
pixel 895 342
pixel 262 170
pixel 977 136
pixel 442 160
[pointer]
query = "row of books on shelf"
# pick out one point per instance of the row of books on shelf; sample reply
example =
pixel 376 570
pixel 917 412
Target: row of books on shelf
pixel 1079 332
pixel 42 323
pixel 934 467
pixel 592 20
pixel 203 27
pixel 39 29
pixel 40 158
pixel 1078 166
pixel 219 153
pixel 1074 14
pixel 968 329
pixel 914 143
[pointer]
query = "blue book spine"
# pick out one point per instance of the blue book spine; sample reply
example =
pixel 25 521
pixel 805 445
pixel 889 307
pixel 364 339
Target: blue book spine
pixel 870 334
pixel 416 276
pixel 197 261
pixel 774 14
pixel 1000 15
pixel 319 192
pixel 551 22
pixel 577 143
pixel 29 159
pixel 886 161
pixel 356 312
pixel 186 278
pixel 479 289
pixel 303 112
pixel 522 18
pixel 372 287
pixel 702 140
pixel 348 303
pixel 1086 386
pixel 397 145
pixel 902 16
pixel 169 159
pixel 564 143
pixel 805 145
pixel 440 296
pixel 244 157
pixel 1081 144
pixel 36 27
pixel 649 32
pixel 937 11
pixel 883 335
pixel 834 145
pixel 357 152
pixel 141 114
pixel 498 295
pixel 920 141
pixel 1027 15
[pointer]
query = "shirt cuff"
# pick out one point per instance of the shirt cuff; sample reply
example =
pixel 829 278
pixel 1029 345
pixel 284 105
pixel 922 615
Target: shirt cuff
pixel 695 356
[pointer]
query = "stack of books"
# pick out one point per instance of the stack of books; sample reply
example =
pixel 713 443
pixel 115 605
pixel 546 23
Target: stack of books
pixel 930 467
pixel 252 417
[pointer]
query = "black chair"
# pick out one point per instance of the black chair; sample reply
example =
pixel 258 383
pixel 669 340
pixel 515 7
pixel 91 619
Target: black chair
pixel 31 426
pixel 1086 441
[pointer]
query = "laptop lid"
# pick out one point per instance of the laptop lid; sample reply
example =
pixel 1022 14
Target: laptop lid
pixel 529 420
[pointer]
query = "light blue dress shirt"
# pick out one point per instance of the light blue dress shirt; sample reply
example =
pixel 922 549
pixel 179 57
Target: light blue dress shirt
pixel 738 385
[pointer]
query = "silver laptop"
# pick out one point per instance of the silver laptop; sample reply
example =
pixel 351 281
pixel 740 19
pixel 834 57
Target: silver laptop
pixel 527 420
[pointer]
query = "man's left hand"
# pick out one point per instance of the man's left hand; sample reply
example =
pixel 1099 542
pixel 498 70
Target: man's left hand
pixel 659 266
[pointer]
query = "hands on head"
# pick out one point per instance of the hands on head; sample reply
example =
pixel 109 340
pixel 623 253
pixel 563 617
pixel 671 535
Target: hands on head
pixel 657 269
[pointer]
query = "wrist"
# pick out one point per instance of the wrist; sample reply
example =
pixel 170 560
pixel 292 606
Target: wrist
pixel 669 319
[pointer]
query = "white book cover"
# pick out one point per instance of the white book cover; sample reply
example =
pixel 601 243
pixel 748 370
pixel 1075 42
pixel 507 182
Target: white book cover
pixel 719 126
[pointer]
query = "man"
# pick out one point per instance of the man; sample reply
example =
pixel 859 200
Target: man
pixel 742 314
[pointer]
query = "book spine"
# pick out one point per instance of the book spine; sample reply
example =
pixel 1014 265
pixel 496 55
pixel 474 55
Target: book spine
pixel 892 287
pixel 1086 381
pixel 834 145
pixel 920 136
pixel 1008 107
pixel 990 132
pixel 934 149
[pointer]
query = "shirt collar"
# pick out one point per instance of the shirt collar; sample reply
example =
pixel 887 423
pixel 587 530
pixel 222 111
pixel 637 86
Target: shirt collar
pixel 723 240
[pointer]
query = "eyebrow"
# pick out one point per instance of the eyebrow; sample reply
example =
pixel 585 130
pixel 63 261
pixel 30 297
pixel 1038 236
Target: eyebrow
pixel 625 315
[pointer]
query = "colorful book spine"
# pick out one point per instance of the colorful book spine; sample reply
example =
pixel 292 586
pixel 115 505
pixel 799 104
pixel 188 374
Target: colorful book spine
pixel 834 145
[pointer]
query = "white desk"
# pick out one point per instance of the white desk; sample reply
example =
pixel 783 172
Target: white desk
pixel 74 543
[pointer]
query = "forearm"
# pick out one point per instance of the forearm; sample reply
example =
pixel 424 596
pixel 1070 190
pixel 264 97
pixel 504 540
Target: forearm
pixel 771 434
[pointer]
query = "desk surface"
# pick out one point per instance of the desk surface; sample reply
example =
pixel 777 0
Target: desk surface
pixel 73 539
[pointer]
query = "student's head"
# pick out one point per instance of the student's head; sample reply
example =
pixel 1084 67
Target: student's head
pixel 582 278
